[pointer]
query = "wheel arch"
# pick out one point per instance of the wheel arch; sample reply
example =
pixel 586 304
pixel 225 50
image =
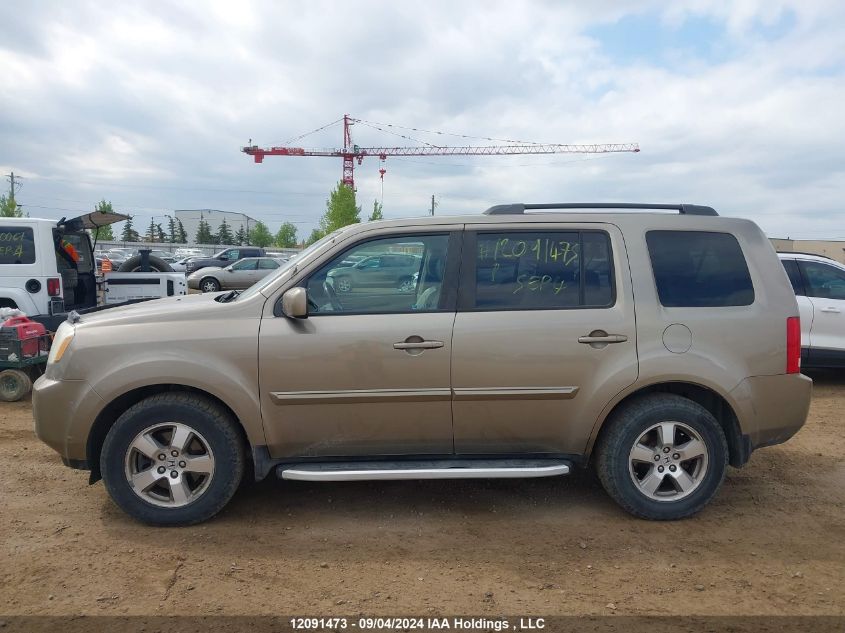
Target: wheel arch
pixel 114 409
pixel 210 276
pixel 738 445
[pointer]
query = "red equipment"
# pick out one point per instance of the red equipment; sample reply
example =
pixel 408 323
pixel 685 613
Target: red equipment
pixel 351 152
pixel 21 335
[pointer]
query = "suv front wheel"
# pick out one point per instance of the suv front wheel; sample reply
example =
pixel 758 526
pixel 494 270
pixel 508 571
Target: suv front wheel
pixel 172 459
pixel 662 457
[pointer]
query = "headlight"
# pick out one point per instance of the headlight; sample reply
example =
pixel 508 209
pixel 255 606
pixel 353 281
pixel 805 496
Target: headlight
pixel 64 335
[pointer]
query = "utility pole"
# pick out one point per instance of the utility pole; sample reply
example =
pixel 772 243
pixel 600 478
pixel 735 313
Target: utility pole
pixel 433 204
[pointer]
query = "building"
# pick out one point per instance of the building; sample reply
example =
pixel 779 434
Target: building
pixel 828 248
pixel 191 220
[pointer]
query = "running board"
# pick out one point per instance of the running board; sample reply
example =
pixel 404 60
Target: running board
pixel 424 469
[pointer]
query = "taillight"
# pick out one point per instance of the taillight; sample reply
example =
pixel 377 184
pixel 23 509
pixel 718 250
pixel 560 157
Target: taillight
pixel 53 287
pixel 793 345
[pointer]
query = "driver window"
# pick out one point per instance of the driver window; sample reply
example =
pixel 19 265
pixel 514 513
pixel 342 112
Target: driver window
pixel 388 275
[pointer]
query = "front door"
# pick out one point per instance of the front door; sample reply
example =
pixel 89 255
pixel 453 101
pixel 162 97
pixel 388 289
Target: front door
pixel 367 373
pixel 544 337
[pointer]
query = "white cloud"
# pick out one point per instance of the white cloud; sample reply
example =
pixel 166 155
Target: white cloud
pixel 147 105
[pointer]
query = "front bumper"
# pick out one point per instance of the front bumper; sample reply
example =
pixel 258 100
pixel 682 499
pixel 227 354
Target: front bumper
pixel 64 412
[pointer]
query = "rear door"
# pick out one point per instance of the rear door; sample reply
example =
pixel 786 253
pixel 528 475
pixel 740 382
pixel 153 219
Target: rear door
pixel 825 285
pixel 805 306
pixel 544 336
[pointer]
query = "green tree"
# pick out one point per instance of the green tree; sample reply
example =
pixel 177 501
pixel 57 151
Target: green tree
pixel 240 236
pixel 316 234
pixel 160 235
pixel 224 233
pixel 204 235
pixel 9 208
pixel 376 214
pixel 150 235
pixel 340 209
pixel 171 229
pixel 102 232
pixel 260 235
pixel 129 234
pixel 181 233
pixel 286 237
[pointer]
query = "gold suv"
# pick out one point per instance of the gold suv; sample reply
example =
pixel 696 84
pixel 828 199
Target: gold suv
pixel 657 347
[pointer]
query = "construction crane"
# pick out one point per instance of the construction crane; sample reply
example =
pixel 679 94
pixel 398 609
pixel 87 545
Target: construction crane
pixel 350 153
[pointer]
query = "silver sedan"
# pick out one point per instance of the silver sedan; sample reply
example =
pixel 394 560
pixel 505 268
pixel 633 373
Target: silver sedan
pixel 238 276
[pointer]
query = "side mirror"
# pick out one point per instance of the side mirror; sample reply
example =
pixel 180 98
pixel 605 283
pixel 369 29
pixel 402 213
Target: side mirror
pixel 295 303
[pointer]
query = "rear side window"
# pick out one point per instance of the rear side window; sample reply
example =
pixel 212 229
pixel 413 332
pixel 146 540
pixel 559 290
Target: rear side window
pixel 17 245
pixel 698 269
pixel 791 267
pixel 543 270
pixel 824 281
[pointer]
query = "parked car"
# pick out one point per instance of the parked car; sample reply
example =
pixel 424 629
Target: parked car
pixel 181 253
pixel 819 285
pixel 166 256
pixel 223 258
pixel 376 271
pixel 238 276
pixel 180 264
pixel 657 348
pixel 47 267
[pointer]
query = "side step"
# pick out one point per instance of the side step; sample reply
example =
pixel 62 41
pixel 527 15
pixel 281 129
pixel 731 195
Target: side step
pixel 424 469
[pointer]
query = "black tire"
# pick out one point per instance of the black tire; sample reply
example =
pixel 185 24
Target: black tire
pixel 626 427
pixel 211 282
pixel 204 417
pixel 133 264
pixel 14 385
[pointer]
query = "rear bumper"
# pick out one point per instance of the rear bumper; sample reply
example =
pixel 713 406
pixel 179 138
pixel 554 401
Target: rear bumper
pixel 63 412
pixel 775 407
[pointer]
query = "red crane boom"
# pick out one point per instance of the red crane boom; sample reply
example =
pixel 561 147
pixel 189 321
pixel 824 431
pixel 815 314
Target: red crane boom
pixel 351 152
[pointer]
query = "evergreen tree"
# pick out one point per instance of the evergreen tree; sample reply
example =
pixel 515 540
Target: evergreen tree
pixel 182 234
pixel 160 236
pixel 171 229
pixel 260 235
pixel 340 209
pixel 376 215
pixel 240 236
pixel 204 235
pixel 129 234
pixel 150 235
pixel 286 237
pixel 224 233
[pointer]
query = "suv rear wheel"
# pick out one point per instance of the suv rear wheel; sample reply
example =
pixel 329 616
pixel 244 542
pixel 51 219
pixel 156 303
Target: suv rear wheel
pixel 172 459
pixel 662 457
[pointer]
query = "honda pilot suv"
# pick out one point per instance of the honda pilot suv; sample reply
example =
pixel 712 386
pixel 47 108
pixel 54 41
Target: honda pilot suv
pixel 656 347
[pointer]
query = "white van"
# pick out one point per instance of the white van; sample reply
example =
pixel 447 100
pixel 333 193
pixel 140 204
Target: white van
pixel 47 267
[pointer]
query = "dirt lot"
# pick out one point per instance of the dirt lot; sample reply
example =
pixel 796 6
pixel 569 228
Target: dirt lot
pixel 773 542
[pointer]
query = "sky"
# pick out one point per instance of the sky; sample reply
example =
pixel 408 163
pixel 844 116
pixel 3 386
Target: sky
pixel 739 105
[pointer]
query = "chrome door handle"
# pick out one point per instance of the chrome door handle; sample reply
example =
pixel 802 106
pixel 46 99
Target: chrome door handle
pixel 831 310
pixel 419 345
pixel 609 338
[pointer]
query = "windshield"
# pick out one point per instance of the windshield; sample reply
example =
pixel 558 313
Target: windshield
pixel 301 258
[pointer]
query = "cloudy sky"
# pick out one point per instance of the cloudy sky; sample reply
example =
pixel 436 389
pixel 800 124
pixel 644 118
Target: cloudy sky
pixel 740 105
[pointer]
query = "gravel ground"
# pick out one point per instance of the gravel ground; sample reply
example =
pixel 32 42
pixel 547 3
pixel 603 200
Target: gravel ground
pixel 772 542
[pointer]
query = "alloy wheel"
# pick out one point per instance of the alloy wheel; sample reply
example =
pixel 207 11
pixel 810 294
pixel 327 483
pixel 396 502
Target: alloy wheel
pixel 169 465
pixel 668 461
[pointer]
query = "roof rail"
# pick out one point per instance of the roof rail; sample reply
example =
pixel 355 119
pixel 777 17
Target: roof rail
pixel 806 253
pixel 519 208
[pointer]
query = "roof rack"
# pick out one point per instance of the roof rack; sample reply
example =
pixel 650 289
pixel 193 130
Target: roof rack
pixel 519 209
pixel 806 253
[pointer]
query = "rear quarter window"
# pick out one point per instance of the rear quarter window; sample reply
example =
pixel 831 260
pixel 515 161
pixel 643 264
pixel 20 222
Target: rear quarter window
pixel 17 245
pixel 699 269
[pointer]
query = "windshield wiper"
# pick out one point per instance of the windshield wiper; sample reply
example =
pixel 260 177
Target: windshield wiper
pixel 228 296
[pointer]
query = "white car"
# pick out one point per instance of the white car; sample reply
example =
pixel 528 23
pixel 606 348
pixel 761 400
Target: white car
pixel 819 284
